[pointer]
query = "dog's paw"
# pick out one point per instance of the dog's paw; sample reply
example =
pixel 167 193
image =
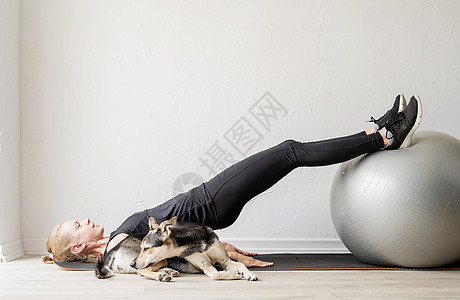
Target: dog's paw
pixel 240 275
pixel 163 277
pixel 160 276
pixel 250 276
pixel 170 272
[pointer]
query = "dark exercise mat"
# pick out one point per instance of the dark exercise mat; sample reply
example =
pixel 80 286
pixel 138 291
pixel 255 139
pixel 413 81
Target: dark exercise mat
pixel 284 262
pixel 75 266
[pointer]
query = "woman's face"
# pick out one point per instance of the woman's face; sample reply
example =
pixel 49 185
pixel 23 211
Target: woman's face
pixel 83 231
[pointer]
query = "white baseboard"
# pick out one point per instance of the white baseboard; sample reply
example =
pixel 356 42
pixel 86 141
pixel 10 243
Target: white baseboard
pixel 259 245
pixel 11 250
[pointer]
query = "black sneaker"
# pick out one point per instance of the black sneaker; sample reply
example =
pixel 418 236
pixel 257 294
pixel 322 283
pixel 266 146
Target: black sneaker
pixel 398 106
pixel 404 124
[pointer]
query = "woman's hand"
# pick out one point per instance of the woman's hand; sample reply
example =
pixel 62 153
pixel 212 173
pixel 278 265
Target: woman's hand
pixel 241 256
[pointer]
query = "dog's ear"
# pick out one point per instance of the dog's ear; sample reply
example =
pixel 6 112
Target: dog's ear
pixel 172 222
pixel 153 223
pixel 165 227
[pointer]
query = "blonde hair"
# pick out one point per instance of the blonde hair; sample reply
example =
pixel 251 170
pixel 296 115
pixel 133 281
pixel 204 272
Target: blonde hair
pixel 60 243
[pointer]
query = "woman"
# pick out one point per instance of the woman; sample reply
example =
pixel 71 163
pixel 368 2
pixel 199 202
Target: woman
pixel 218 202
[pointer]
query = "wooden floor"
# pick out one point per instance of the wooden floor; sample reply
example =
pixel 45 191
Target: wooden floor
pixel 29 278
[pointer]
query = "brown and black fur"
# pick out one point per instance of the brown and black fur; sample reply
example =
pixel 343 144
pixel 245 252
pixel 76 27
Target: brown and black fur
pixel 119 258
pixel 197 244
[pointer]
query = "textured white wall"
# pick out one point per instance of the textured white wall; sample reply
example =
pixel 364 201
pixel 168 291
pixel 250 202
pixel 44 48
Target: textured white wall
pixel 10 201
pixel 120 98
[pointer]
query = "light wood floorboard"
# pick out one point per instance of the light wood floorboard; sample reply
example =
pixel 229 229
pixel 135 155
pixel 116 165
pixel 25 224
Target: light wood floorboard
pixel 29 278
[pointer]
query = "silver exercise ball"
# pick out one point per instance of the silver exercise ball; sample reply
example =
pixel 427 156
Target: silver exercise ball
pixel 401 207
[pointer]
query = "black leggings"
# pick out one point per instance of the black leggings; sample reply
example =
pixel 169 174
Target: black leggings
pixel 235 186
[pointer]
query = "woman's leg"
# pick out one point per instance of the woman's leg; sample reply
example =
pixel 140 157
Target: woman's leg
pixel 235 186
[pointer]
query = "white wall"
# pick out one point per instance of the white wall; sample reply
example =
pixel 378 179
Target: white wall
pixel 10 201
pixel 120 98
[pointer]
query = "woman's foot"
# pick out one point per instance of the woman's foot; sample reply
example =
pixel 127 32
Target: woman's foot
pixel 398 106
pixel 400 130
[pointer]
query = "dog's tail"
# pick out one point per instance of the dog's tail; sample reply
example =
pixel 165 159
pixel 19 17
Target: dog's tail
pixel 102 271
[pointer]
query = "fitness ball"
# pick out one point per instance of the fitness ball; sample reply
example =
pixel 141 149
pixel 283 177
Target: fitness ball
pixel 401 207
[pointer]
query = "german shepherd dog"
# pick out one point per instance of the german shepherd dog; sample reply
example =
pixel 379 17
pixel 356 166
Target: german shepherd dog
pixel 119 258
pixel 183 247
pixel 197 244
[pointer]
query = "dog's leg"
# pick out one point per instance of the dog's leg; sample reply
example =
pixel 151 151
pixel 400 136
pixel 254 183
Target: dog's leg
pixel 218 254
pixel 156 272
pixel 169 271
pixel 161 267
pixel 161 264
pixel 212 273
pixel 239 269
pixel 154 275
pixel 202 262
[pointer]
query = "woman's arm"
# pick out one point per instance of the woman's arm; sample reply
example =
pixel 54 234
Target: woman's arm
pixel 115 240
pixel 242 256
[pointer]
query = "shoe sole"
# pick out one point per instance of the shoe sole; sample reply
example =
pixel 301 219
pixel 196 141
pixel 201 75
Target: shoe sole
pixel 408 140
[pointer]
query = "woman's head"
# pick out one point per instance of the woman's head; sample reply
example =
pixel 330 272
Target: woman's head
pixel 74 240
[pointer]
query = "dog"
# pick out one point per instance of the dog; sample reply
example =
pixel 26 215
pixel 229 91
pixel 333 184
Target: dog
pixel 198 244
pixel 119 258
pixel 170 248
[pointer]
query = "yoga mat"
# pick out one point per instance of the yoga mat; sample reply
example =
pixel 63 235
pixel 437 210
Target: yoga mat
pixel 75 266
pixel 285 262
